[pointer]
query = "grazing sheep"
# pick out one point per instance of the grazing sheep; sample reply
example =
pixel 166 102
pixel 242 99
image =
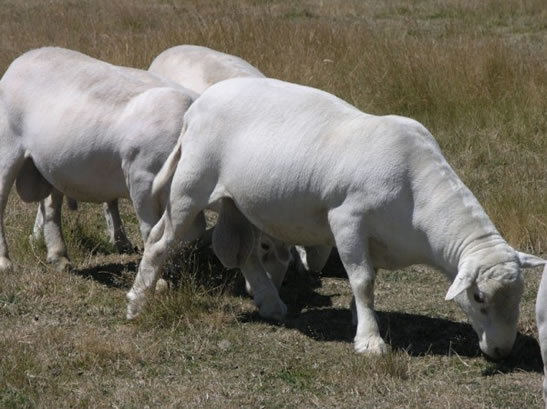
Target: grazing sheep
pixel 74 125
pixel 197 68
pixel 541 318
pixel 307 168
pixel 193 67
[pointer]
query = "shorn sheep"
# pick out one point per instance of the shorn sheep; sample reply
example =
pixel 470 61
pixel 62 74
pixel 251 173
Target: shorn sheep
pixel 307 168
pixel 96 132
pixel 541 319
pixel 192 67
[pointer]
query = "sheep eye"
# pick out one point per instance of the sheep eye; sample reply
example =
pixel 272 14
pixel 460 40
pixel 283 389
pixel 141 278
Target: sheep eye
pixel 265 247
pixel 479 297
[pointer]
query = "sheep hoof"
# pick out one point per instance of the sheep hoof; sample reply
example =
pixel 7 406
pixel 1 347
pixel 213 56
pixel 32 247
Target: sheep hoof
pixel 371 346
pixel 6 266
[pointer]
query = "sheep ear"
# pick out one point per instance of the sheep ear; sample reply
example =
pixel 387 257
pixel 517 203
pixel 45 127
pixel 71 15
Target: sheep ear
pixel 465 279
pixel 528 261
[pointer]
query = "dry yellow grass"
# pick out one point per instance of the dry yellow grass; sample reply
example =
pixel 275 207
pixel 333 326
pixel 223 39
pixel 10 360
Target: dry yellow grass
pixel 474 72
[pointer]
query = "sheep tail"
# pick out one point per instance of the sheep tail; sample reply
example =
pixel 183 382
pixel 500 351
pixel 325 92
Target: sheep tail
pixel 167 170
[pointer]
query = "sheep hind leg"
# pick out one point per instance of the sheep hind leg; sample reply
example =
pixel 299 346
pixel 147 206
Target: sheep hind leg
pixel 312 258
pixel 12 162
pixel 179 218
pixel 53 233
pixel 5 263
pixel 38 229
pixel 115 229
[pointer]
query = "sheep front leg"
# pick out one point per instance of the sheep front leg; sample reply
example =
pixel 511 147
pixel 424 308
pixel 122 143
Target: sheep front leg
pixel 265 294
pixel 367 339
pixel 236 243
pixel 352 246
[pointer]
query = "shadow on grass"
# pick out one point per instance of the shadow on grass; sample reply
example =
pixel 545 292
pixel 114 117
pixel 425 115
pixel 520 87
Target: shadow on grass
pixel 334 267
pixel 187 263
pixel 115 275
pixel 298 291
pixel 418 335
pixel 526 356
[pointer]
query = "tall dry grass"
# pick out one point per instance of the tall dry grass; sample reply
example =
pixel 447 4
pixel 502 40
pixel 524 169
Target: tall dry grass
pixel 473 72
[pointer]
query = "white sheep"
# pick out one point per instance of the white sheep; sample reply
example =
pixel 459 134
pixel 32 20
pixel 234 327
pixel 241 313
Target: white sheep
pixel 74 125
pixel 541 319
pixel 307 168
pixel 197 68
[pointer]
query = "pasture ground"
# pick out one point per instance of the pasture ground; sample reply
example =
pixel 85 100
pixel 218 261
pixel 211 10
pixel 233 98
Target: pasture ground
pixel 474 72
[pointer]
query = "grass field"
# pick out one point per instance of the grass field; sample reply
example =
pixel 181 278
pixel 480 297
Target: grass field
pixel 474 72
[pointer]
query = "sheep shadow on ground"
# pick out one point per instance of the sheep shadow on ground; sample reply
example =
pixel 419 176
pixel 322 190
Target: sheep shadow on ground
pixel 115 275
pixel 417 335
pixel 189 262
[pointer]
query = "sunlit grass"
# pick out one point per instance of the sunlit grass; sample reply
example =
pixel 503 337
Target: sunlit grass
pixel 472 71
